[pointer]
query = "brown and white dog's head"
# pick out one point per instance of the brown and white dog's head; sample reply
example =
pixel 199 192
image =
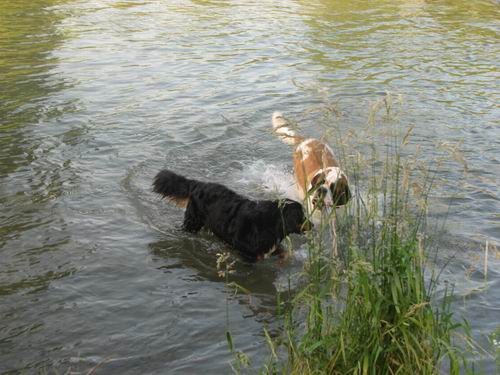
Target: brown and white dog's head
pixel 328 188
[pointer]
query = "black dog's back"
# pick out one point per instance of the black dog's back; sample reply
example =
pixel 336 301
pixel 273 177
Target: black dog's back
pixel 252 227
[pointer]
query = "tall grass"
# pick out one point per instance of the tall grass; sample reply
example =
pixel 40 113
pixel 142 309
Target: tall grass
pixel 372 311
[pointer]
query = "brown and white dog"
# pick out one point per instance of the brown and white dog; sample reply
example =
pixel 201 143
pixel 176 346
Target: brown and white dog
pixel 321 184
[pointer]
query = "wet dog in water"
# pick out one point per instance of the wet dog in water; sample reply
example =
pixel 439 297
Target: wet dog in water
pixel 320 181
pixel 253 227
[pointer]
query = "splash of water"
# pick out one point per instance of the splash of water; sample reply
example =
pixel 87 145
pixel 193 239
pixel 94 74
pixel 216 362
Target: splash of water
pixel 272 179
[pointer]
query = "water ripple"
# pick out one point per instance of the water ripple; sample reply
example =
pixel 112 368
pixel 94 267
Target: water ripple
pixel 97 96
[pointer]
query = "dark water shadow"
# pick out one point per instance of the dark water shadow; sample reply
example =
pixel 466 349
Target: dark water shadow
pixel 256 281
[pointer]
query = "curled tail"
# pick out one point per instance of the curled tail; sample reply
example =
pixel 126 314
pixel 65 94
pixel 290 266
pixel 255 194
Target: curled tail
pixel 174 187
pixel 282 128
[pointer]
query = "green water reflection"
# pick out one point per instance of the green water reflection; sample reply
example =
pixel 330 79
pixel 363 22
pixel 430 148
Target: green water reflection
pixel 29 181
pixel 28 35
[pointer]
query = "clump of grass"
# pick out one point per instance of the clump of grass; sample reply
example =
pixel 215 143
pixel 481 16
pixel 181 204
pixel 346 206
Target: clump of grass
pixel 225 267
pixel 372 311
pixel 495 343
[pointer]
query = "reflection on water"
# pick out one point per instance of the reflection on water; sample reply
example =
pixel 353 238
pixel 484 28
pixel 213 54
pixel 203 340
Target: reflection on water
pixel 98 95
pixel 29 35
pixel 183 253
pixel 30 178
pixel 30 228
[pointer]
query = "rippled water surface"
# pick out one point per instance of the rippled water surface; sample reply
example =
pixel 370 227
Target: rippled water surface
pixel 97 96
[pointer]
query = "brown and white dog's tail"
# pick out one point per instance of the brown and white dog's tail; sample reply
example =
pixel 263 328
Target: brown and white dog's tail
pixel 283 129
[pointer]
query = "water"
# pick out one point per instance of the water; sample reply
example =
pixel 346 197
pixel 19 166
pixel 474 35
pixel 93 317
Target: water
pixel 97 96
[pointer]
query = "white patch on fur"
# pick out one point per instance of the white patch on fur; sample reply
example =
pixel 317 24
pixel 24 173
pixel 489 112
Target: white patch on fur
pixel 282 129
pixel 279 120
pixel 305 143
pixel 304 148
pixel 328 198
pixel 333 174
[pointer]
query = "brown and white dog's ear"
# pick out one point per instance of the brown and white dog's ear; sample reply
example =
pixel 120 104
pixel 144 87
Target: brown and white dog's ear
pixel 341 194
pixel 317 180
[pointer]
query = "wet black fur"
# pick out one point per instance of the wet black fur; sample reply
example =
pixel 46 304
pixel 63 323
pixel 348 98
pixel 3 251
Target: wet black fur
pixel 251 226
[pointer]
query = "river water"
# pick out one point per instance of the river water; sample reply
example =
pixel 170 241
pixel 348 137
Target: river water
pixel 97 96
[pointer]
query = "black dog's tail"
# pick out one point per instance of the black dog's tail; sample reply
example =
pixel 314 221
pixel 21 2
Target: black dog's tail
pixel 174 187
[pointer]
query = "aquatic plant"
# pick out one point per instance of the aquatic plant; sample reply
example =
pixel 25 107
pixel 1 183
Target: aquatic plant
pixel 374 310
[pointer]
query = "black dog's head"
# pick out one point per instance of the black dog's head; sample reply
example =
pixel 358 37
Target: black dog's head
pixel 294 219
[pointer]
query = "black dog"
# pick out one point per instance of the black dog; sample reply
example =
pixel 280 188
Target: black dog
pixel 252 227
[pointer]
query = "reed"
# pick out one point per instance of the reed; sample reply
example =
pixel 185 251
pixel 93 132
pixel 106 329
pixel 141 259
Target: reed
pixel 371 310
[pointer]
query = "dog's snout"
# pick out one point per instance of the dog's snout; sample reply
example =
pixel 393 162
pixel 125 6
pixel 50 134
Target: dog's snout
pixel 322 191
pixel 319 197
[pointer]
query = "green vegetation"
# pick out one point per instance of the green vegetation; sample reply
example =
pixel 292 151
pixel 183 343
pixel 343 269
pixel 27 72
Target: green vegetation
pixel 372 314
pixel 374 310
pixel 495 343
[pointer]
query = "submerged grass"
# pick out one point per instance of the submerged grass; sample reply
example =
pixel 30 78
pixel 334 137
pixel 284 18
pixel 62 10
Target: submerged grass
pixel 372 311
